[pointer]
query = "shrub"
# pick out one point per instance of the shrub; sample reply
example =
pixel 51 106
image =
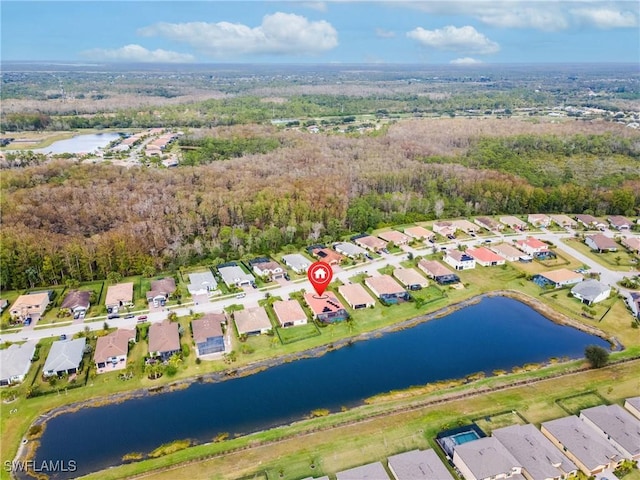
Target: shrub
pixel 596 356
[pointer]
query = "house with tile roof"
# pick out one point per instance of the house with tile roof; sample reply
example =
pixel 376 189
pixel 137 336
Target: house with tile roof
pixel 252 321
pixel 289 313
pixel 112 350
pixel 326 308
pixel 485 257
pixel 208 334
pixel 356 296
pixel 164 340
pixel 601 243
pixel 386 289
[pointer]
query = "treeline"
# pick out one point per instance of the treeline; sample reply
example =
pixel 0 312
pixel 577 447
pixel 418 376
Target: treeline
pixel 74 221
pixel 198 151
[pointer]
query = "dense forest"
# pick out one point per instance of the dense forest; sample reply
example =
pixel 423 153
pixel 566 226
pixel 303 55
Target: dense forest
pixel 66 220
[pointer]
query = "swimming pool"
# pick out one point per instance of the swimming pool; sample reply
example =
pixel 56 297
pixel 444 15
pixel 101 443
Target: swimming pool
pixel 450 439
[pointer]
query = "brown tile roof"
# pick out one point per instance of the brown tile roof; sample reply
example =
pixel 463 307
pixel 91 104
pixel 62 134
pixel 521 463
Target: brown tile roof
pixel 465 225
pixel 410 276
pixel 210 325
pixel 327 303
pixel 355 294
pixel 383 285
pixel 33 303
pixel 434 268
pixel 164 337
pixel 165 285
pixel 632 243
pixel 251 320
pixel 121 292
pixel 394 236
pixel 418 232
pixel 506 250
pixel 327 255
pixel 371 242
pixel 603 242
pixel 288 311
pixel 561 275
pixel 113 345
pixel 76 298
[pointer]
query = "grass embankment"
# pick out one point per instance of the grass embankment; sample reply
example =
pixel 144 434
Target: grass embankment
pixel 621 260
pixel 389 425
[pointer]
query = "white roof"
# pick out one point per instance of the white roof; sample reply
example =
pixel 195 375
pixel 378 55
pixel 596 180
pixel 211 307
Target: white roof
pixel 201 281
pixel 349 248
pixel 234 274
pixel 65 355
pixel 297 261
pixel 16 360
pixel 486 457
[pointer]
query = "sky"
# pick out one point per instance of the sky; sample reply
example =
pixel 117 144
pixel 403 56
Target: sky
pixel 461 32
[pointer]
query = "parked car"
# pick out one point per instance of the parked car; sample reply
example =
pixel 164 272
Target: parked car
pixel 63 337
pixel 254 284
pixel 27 321
pixel 111 316
pixel 241 295
pixel 287 277
pixel 129 315
pixel 142 318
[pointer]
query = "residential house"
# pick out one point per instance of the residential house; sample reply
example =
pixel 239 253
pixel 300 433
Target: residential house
pixel 234 276
pixel 160 291
pixel 562 277
pixel 485 459
pixel 31 306
pixel 514 222
pixel 65 357
pixel 296 262
pixel 370 242
pixel 164 340
pixel 208 335
pixel 466 226
pixel 632 244
pixel 620 223
pixel 616 425
pixel 591 291
pixel 410 278
pixel 441 274
pixel 202 283
pixel 590 222
pixel 418 465
pixel 326 309
pixel 419 233
pixel 532 246
pixel 395 237
pixel 601 243
pixel 633 302
pixel 539 458
pixel 348 249
pixel 564 221
pixel 252 321
pixel 356 296
pixel 267 268
pixel 118 296
pixel 76 302
pixel 508 252
pixel 446 229
pixel 633 405
pixel 289 313
pixel 485 257
pixel 489 223
pixel 371 471
pixel 15 362
pixel 112 350
pixel 386 289
pixel 539 220
pixel 459 260
pixel 582 444
pixel 327 256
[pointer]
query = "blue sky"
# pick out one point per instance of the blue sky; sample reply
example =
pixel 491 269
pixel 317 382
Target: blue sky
pixel 344 31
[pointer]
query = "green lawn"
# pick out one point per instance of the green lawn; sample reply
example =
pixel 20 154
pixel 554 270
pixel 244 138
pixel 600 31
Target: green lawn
pixel 572 404
pixel 489 423
pixel 621 260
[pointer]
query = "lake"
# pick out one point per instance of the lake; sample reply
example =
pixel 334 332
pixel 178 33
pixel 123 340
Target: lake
pixel 496 333
pixel 80 144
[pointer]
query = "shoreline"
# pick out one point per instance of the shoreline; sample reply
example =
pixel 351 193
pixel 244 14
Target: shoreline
pixel 249 369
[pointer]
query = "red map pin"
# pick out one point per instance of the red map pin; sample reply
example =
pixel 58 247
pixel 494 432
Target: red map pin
pixel 320 274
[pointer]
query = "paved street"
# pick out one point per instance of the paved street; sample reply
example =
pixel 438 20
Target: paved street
pixel 252 297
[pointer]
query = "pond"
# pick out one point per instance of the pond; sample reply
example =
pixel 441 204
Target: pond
pixel 80 144
pixel 496 333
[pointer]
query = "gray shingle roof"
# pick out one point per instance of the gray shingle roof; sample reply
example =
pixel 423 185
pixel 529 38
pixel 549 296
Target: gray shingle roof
pixel 582 441
pixel 371 471
pixel 615 422
pixel 16 360
pixel 486 457
pixel 534 451
pixel 65 355
pixel 201 281
pixel 589 289
pixel 418 465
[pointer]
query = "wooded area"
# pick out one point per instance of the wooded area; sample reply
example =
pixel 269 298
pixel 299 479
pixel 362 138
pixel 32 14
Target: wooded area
pixel 66 220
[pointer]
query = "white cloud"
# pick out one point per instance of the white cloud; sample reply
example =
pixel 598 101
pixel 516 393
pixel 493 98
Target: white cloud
pixel 465 61
pixel 318 6
pixel 464 39
pixel 606 17
pixel 137 53
pixel 279 34
pixel 382 33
